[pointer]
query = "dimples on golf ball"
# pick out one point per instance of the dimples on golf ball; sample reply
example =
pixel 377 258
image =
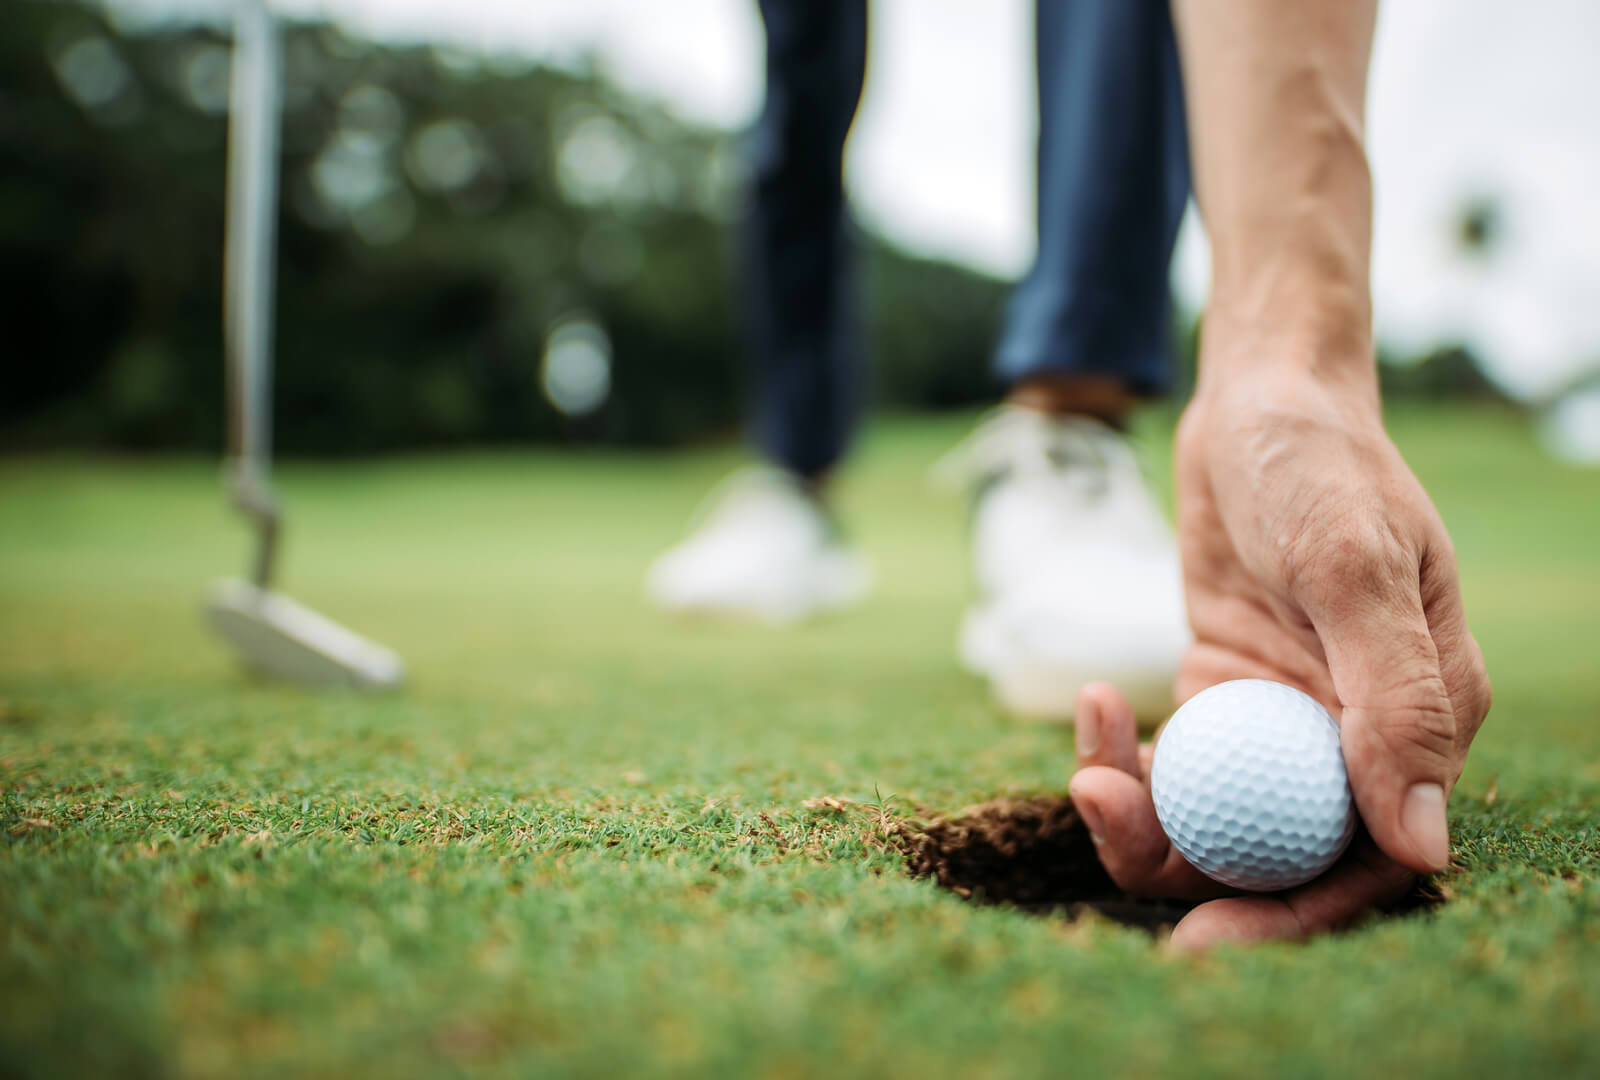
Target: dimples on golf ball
pixel 1250 785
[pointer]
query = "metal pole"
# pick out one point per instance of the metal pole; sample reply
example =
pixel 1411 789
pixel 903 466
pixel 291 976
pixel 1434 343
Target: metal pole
pixel 250 269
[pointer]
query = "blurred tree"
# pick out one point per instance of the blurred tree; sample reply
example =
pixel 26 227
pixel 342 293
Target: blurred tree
pixel 1444 373
pixel 440 214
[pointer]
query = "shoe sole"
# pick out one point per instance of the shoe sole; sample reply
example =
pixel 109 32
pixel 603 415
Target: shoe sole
pixel 841 585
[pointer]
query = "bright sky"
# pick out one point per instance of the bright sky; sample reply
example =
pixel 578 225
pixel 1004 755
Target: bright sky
pixel 1468 101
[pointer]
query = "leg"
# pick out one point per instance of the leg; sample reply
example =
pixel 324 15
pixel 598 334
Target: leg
pixel 1090 323
pixel 767 549
pixel 802 318
pixel 1076 567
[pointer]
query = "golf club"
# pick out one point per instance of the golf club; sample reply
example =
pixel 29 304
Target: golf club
pixel 272 634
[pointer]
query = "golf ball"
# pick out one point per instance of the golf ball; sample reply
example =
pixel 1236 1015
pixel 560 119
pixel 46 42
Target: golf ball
pixel 1249 784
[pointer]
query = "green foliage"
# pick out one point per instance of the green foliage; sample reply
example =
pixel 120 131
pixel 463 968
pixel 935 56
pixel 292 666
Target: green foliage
pixel 578 845
pixel 440 213
pixel 1443 373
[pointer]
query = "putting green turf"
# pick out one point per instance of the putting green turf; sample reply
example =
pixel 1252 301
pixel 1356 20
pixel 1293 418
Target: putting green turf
pixel 576 844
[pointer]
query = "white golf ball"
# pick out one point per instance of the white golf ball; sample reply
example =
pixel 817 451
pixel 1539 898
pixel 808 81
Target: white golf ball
pixel 1249 784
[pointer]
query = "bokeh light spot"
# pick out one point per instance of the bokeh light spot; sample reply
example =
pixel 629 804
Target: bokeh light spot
pixel 351 172
pixel 92 73
pixel 203 76
pixel 576 373
pixel 372 113
pixel 594 158
pixel 446 155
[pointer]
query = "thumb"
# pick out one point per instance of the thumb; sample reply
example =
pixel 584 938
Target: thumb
pixel 1397 727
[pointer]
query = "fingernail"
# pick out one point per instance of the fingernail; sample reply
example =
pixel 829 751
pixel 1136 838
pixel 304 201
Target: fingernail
pixel 1422 820
pixel 1091 817
pixel 1087 737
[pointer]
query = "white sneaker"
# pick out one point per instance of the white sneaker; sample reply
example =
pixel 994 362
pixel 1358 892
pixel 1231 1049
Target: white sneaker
pixel 763 549
pixel 1076 567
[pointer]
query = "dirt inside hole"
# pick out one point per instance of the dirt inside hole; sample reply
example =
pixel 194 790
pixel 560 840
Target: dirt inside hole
pixel 1035 854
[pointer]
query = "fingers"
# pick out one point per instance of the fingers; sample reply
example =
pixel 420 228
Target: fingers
pixel 1398 727
pixel 1107 732
pixel 1399 756
pixel 1364 879
pixel 1110 793
pixel 1128 837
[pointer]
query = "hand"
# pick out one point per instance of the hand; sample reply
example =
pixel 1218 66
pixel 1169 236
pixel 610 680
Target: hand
pixel 1312 557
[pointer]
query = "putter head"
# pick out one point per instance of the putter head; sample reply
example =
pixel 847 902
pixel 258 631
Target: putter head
pixel 279 638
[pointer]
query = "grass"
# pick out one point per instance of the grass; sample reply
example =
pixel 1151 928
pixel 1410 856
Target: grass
pixel 577 846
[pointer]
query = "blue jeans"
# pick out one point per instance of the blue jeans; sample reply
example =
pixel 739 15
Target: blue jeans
pixel 1113 181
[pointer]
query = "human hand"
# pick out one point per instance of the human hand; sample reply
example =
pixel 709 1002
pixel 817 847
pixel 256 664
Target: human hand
pixel 1313 557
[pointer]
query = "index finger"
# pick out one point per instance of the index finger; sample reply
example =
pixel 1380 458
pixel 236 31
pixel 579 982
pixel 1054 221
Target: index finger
pixel 1362 880
pixel 1362 591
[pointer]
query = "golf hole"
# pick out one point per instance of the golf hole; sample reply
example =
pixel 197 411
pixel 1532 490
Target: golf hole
pixel 1035 855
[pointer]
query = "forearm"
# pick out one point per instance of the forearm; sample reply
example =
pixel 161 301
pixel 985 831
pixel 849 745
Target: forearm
pixel 1276 94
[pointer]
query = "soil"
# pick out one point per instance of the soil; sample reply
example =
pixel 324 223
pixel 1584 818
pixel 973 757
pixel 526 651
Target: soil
pixel 1035 854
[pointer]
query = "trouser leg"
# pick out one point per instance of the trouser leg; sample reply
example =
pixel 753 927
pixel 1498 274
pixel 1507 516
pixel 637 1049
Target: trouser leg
pixel 1113 173
pixel 801 309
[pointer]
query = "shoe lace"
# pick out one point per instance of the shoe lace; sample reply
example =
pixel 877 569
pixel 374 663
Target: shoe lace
pixel 1075 451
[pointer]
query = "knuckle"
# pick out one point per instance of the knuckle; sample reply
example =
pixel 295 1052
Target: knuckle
pixel 1411 722
pixel 1425 729
pixel 1467 679
pixel 1439 556
pixel 1356 551
pixel 1482 690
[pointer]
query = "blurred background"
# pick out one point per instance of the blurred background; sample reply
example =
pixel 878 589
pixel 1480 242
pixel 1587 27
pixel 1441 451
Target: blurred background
pixel 507 221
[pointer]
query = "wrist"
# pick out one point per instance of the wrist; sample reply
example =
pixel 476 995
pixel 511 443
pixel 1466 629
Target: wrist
pixel 1291 277
pixel 1254 375
pixel 1327 343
